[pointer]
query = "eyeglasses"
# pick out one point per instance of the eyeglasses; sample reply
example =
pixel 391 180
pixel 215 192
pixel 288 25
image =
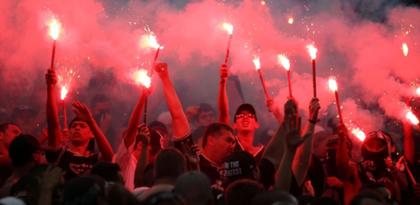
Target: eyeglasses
pixel 247 115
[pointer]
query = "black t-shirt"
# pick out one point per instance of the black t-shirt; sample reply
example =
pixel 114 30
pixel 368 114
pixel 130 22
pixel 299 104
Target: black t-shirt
pixel 74 165
pixel 209 169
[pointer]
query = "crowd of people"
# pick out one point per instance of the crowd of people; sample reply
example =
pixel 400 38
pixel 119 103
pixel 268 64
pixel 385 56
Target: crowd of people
pixel 202 158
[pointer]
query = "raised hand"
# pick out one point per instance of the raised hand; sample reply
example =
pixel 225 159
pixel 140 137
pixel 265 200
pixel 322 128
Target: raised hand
pixel 314 108
pixel 51 77
pixel 143 134
pixel 82 111
pixel 161 69
pixel 292 125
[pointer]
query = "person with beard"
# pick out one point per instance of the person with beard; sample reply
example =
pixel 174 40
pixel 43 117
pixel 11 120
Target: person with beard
pixel 74 158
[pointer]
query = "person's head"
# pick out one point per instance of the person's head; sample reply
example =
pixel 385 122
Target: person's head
pixel 8 132
pixel 80 132
pixel 195 188
pixel 375 149
pixel 164 198
pixel 84 190
pixel 245 119
pixel 242 192
pixel 100 104
pixel 274 197
pixel 239 165
pixel 108 171
pixel 380 190
pixel 367 198
pixel 385 136
pixel 163 131
pixel 117 194
pixel 25 150
pixel 205 115
pixel 218 139
pixel 169 164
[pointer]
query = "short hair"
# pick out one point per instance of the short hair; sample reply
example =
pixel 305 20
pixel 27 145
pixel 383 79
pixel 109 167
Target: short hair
pixel 215 128
pixel 170 163
pixel 84 190
pixel 242 192
pixel 107 170
pixel 274 197
pixel 205 107
pixel 22 148
pixel 358 199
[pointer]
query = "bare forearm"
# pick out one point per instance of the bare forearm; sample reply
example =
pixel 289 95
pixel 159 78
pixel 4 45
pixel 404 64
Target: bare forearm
pixel 275 149
pixel 302 160
pixel 223 103
pixel 284 175
pixel 141 166
pixel 53 122
pixel 409 149
pixel 103 143
pixel 180 125
pixel 134 120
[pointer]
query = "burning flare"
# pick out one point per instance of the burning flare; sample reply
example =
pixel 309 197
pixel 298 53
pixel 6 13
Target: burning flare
pixel 359 134
pixel 284 61
pixel 141 77
pixel 149 41
pixel 404 48
pixel 257 62
pixel 418 91
pixel 290 20
pixel 228 27
pixel 63 92
pixel 54 28
pixel 412 117
pixel 332 84
pixel 312 51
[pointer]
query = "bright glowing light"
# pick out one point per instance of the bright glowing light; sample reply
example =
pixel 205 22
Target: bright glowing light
pixel 359 134
pixel 332 84
pixel 263 3
pixel 404 48
pixel 63 92
pixel 257 62
pixel 412 117
pixel 141 77
pixel 290 20
pixel 228 27
pixel 418 91
pixel 312 51
pixel 284 61
pixel 149 41
pixel 54 28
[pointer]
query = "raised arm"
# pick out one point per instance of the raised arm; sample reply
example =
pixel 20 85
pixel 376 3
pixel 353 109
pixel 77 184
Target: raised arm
pixel 82 111
pixel 344 170
pixel 54 133
pixel 302 159
pixel 222 101
pixel 134 120
pixel 180 125
pixel 144 136
pixel 408 142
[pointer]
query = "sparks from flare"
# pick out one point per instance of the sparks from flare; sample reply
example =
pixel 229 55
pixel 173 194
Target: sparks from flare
pixel 332 84
pixel 410 116
pixel 257 62
pixel 418 91
pixel 54 28
pixel 228 27
pixel 63 92
pixel 149 41
pixel 312 52
pixel 290 20
pixel 404 48
pixel 141 77
pixel 284 61
pixel 359 134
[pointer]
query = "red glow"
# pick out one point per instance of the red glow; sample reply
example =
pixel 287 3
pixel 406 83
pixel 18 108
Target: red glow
pixel 332 84
pixel 257 62
pixel 228 27
pixel 312 51
pixel 141 77
pixel 283 61
pixel 54 28
pixel 63 92
pixel 418 91
pixel 404 48
pixel 410 116
pixel 359 134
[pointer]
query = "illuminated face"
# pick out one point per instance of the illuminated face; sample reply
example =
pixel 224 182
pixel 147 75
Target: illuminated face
pixel 206 118
pixel 245 121
pixel 80 132
pixel 224 142
pixel 11 132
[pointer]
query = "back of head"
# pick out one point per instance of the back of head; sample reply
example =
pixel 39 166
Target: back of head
pixel 164 198
pixel 108 171
pixel 117 194
pixel 195 188
pixel 22 150
pixel 239 165
pixel 274 197
pixel 214 129
pixel 84 191
pixel 170 163
pixel 367 197
pixel 242 192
